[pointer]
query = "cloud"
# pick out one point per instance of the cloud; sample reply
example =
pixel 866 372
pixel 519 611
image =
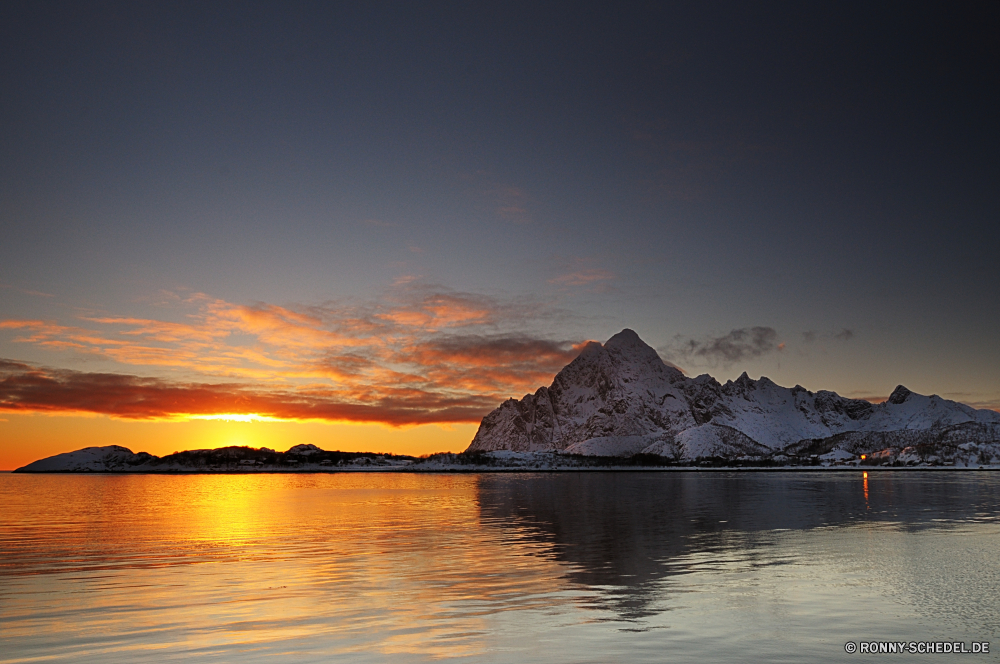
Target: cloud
pixel 25 291
pixel 498 198
pixel 989 404
pixel 380 224
pixel 581 272
pixel 440 310
pixel 812 336
pixel 583 277
pixel 29 388
pixel 514 213
pixel 871 398
pixel 492 364
pixel 422 353
pixel 510 202
pixel 739 345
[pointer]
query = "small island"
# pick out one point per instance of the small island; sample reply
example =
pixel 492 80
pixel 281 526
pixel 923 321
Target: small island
pixel 311 459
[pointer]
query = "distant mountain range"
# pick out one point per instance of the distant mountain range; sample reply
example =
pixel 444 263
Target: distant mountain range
pixel 619 405
pixel 300 458
pixel 621 399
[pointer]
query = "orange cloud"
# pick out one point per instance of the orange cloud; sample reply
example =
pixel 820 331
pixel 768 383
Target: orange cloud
pixel 441 310
pixel 28 388
pixel 25 291
pixel 422 355
pixel 494 365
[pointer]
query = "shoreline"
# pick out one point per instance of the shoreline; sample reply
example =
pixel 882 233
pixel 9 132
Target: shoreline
pixel 521 469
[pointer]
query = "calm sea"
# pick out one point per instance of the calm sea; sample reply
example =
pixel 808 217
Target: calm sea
pixel 562 567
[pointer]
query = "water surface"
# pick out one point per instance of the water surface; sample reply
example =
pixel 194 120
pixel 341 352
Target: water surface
pixel 554 567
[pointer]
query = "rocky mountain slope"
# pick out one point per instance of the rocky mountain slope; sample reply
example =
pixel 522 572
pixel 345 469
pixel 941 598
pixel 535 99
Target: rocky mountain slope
pixel 620 398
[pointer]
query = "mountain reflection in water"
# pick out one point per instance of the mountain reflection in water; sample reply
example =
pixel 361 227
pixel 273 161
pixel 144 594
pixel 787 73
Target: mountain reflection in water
pixel 622 533
pixel 532 567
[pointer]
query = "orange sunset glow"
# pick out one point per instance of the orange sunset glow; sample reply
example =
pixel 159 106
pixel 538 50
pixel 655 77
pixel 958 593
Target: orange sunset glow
pixel 507 332
pixel 415 375
pixel 401 233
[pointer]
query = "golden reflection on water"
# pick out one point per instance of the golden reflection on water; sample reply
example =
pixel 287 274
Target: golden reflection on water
pixel 543 567
pixel 290 544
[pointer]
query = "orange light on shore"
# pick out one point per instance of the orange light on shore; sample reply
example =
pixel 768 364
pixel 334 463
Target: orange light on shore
pixel 863 457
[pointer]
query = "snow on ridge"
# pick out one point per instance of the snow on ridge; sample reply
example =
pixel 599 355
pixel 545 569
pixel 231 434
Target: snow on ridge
pixel 613 397
pixel 92 459
pixel 116 459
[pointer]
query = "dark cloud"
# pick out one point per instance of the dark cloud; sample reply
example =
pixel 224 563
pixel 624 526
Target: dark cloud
pixel 991 404
pixel 811 336
pixel 844 335
pixel 498 350
pixel 739 345
pixel 27 388
pixel 489 364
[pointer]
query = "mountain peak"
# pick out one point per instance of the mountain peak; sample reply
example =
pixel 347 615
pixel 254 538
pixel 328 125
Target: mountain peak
pixel 620 399
pixel 899 395
pixel 625 338
pixel 591 348
pixel 627 346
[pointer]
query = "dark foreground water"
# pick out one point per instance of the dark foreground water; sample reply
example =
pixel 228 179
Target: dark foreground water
pixel 569 567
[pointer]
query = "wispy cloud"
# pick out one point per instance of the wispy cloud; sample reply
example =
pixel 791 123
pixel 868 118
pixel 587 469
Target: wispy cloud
pixel 987 404
pixel 499 198
pixel 491 364
pixel 583 277
pixel 580 272
pixel 511 203
pixel 844 335
pixel 420 354
pixel 380 224
pixel 739 345
pixel 872 398
pixel 25 290
pixel 812 336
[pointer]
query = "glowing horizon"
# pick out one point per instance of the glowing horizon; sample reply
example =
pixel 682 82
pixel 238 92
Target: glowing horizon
pixel 437 366
pixel 317 231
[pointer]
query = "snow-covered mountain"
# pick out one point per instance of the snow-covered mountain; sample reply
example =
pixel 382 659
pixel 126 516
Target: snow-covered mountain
pixel 620 399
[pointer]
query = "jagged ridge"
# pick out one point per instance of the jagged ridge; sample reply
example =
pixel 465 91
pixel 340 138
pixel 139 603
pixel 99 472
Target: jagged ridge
pixel 620 398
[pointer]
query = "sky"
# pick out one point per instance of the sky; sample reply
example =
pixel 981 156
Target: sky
pixel 363 226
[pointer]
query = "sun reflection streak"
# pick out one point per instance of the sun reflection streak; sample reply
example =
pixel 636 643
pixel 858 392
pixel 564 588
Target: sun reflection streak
pixel 264 555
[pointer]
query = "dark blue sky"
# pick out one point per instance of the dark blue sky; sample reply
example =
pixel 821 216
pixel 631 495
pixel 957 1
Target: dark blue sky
pixel 828 172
